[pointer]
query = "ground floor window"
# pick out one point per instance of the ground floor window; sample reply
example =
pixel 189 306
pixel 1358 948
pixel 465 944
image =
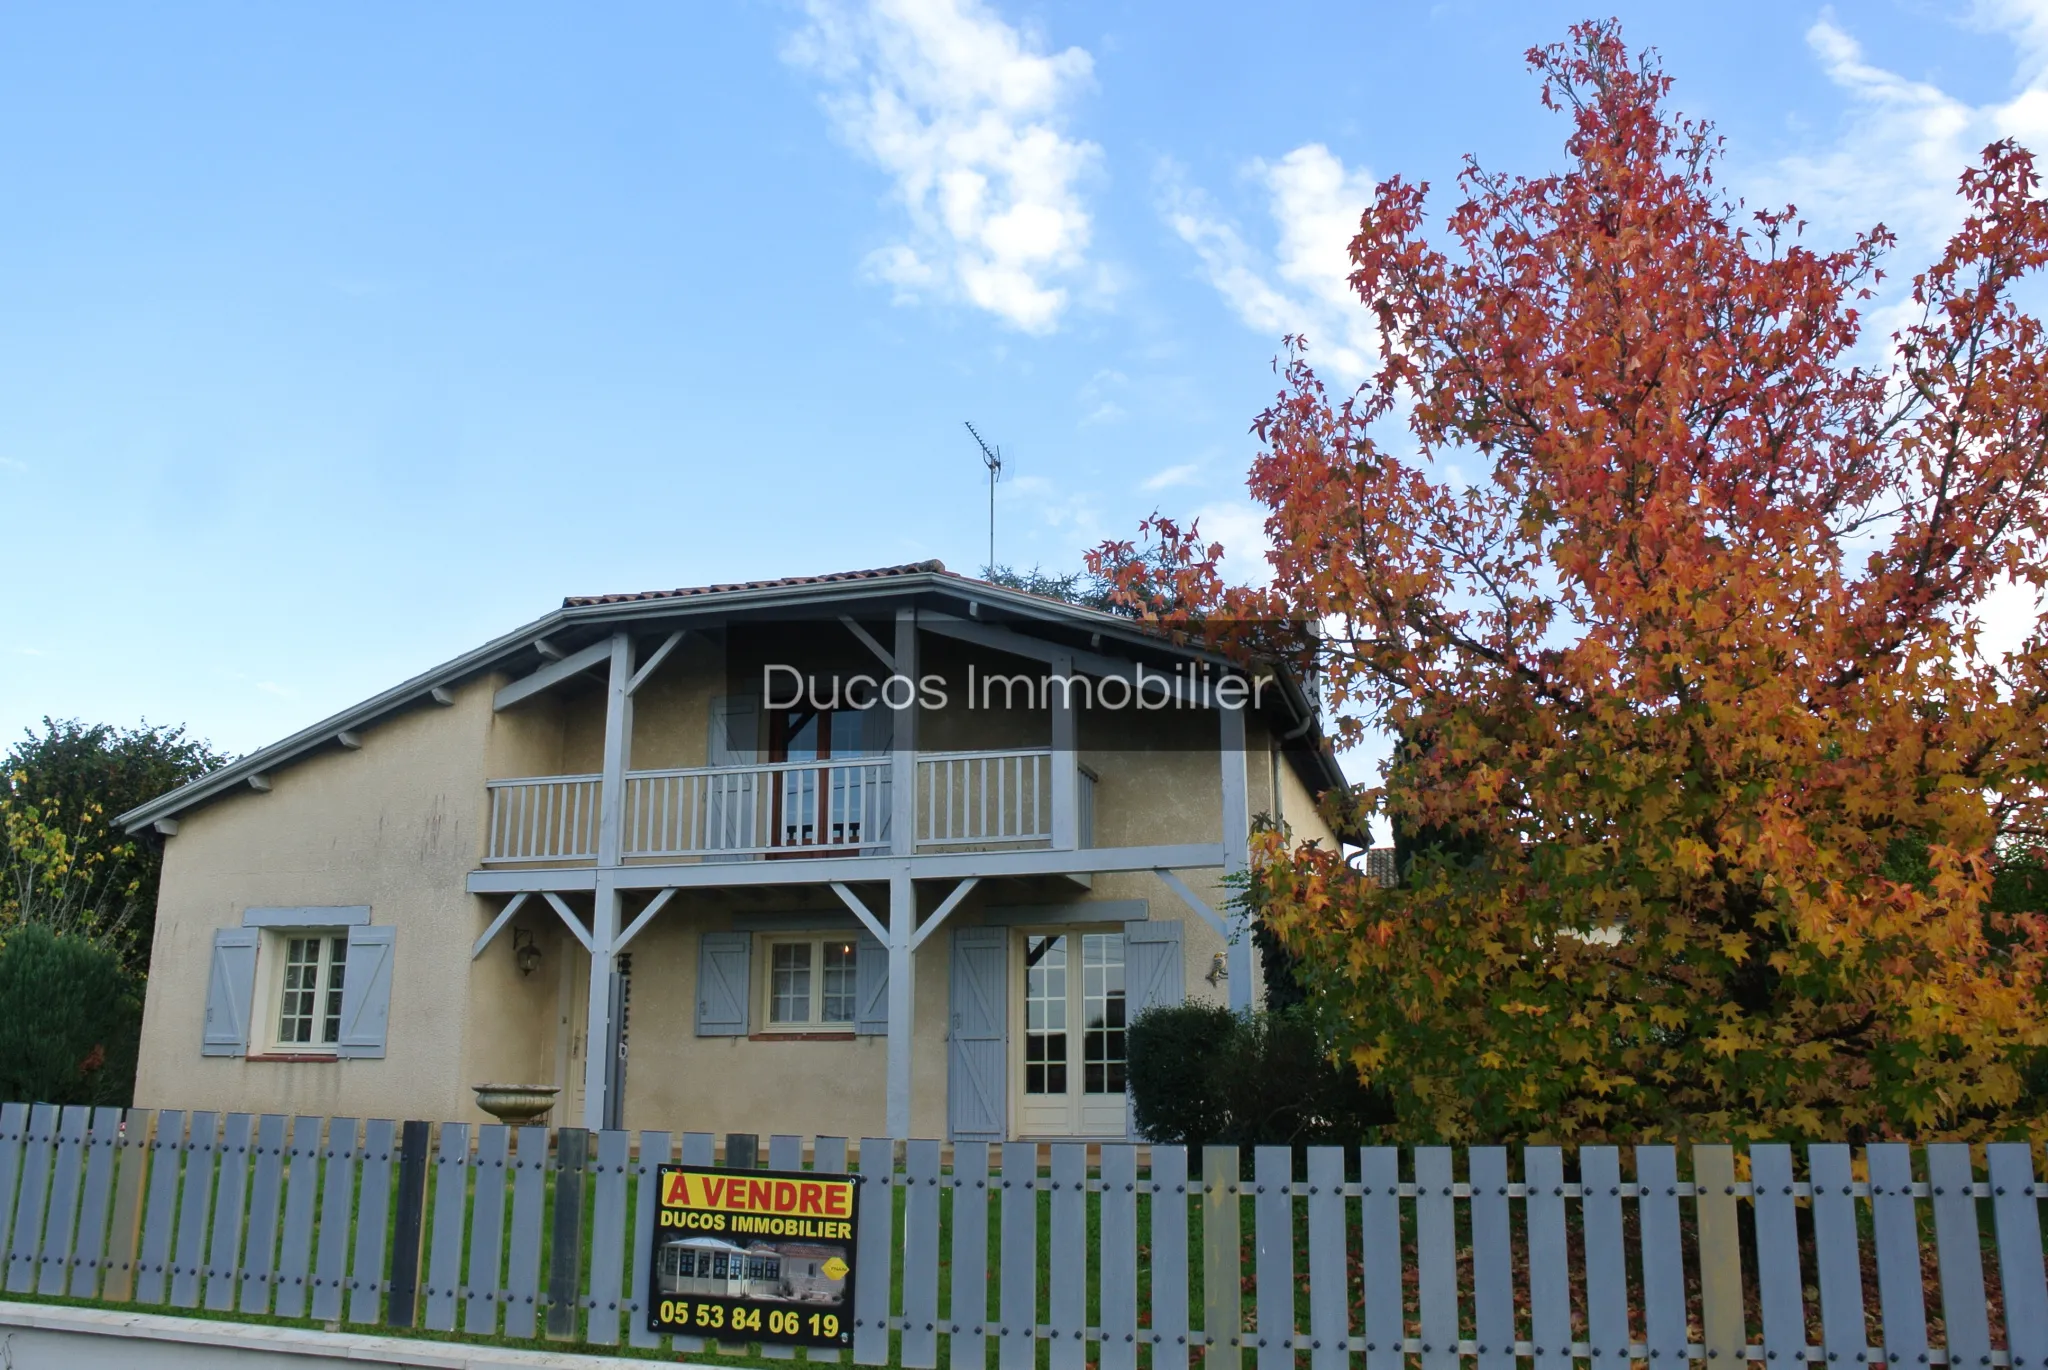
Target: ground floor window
pixel 810 983
pixel 311 968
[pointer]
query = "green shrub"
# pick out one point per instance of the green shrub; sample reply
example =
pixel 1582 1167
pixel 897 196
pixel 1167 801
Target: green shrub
pixel 70 1017
pixel 1201 1074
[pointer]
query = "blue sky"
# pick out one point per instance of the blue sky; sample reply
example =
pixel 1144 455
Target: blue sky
pixel 335 339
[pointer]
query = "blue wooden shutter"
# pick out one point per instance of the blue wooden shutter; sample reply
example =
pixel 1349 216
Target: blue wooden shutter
pixel 230 987
pixel 977 1092
pixel 723 959
pixel 1155 975
pixel 871 987
pixel 366 992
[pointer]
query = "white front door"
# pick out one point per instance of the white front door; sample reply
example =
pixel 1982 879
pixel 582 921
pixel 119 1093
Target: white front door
pixel 1068 1066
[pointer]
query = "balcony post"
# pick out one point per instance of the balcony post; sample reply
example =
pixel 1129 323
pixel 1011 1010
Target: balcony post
pixel 903 742
pixel 1066 773
pixel 601 1040
pixel 1237 825
pixel 902 892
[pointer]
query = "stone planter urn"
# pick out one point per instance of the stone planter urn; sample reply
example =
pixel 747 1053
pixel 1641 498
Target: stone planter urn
pixel 516 1103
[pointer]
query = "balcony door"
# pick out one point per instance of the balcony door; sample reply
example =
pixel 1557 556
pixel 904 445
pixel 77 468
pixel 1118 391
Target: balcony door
pixel 1069 1058
pixel 829 809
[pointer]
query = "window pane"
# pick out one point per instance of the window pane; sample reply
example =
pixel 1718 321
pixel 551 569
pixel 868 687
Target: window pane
pixel 337 966
pixel 1045 1015
pixel 298 995
pixel 837 974
pixel 789 997
pixel 1102 1012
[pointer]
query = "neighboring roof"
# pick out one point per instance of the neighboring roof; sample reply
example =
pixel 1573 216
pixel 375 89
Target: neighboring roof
pixel 593 616
pixel 933 567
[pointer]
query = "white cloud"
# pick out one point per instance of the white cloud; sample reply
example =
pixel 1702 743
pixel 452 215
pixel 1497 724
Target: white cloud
pixel 1302 286
pixel 1904 142
pixel 1897 160
pixel 965 113
pixel 1171 476
pixel 1241 528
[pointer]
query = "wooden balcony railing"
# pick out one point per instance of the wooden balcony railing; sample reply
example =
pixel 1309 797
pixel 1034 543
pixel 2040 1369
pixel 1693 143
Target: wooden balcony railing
pixel 997 799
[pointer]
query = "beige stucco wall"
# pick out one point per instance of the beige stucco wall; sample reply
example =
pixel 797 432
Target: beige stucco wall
pixel 396 826
pixel 399 824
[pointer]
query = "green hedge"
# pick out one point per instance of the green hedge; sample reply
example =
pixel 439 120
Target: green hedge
pixel 71 1019
pixel 1202 1074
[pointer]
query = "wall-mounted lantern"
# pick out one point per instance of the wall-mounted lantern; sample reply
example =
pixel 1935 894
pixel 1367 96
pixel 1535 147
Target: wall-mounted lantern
pixel 525 954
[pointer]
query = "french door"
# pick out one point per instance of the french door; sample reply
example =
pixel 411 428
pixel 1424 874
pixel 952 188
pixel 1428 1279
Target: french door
pixel 1069 1061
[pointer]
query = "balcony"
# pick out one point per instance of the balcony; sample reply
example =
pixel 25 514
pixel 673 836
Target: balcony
pixel 965 801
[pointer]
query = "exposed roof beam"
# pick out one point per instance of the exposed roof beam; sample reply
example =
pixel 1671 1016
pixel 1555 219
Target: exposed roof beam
pixel 548 650
pixel 654 659
pixel 1022 644
pixel 867 638
pixel 441 695
pixel 260 783
pixel 167 826
pixel 350 739
pixel 552 674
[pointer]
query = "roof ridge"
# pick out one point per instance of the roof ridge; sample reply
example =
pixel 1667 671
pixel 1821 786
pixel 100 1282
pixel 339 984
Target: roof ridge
pixel 930 566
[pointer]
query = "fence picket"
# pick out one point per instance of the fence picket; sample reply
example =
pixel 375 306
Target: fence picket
pixel 967 1291
pixel 195 1200
pixel 529 1204
pixel 1436 1258
pixel 1379 1177
pixel 2016 1211
pixel 699 1148
pixel 565 1249
pixel 1222 1258
pixel 60 1224
pixel 921 1254
pixel 877 1209
pixel 1720 1254
pixel 266 1196
pixel 785 1152
pixel 373 1220
pixel 608 1239
pixel 13 1134
pixel 1493 1289
pixel 1895 1228
pixel 1018 1275
pixel 102 1148
pixel 1169 1233
pixel 1777 1253
pixel 337 1196
pixel 223 1253
pixel 302 1189
pixel 1273 1251
pixel 1663 1261
pixel 124 1228
pixel 1607 1329
pixel 1117 1259
pixel 37 1148
pixel 154 1268
pixel 1550 1310
pixel 1067 1258
pixel 1959 1254
pixel 828 1157
pixel 408 1224
pixel 656 1149
pixel 1329 1283
pixel 444 1254
pixel 1835 1255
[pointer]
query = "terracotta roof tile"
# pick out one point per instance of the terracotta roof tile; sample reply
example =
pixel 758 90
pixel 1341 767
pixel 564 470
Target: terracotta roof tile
pixel 831 578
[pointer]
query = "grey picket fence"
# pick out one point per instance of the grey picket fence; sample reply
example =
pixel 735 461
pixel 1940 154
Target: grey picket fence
pixel 1074 1255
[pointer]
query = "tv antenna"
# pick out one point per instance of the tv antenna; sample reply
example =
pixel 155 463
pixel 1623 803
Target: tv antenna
pixel 992 458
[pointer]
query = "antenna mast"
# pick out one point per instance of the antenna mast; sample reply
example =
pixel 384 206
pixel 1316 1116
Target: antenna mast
pixel 992 458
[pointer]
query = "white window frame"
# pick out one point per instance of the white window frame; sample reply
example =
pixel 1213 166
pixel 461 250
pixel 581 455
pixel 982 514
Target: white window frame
pixel 765 946
pixel 273 960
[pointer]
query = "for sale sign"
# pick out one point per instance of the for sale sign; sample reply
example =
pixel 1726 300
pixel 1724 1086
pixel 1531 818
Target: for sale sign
pixel 753 1255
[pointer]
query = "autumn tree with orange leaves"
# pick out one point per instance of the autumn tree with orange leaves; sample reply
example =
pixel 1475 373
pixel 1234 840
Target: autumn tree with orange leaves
pixel 1701 776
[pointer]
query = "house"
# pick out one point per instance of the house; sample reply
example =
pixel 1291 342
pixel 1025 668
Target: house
pixel 883 852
